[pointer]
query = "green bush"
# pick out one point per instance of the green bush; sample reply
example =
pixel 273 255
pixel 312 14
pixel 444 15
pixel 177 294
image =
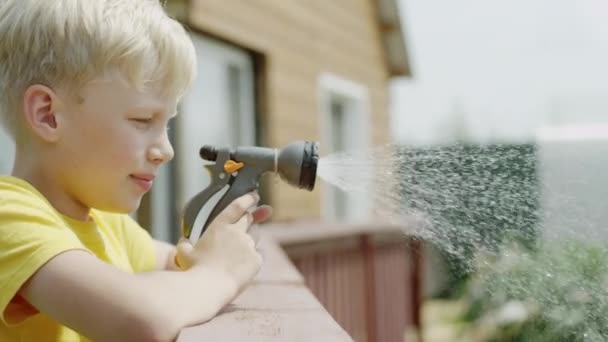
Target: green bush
pixel 558 293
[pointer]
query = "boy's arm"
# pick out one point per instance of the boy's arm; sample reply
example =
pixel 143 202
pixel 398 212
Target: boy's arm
pixel 107 304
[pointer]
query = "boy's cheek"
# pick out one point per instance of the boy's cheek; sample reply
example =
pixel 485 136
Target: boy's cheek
pixel 126 148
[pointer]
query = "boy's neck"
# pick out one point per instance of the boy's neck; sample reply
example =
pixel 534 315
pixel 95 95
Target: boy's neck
pixel 49 186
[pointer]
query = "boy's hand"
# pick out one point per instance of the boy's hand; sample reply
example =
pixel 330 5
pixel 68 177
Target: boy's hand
pixel 226 247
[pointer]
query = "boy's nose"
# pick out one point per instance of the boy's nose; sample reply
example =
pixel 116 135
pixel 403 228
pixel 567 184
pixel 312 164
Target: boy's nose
pixel 156 156
pixel 162 152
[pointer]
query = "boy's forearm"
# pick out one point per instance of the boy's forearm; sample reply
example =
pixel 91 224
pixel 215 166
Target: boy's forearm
pixel 122 306
pixel 190 297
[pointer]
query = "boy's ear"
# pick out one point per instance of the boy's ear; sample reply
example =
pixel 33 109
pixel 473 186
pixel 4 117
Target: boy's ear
pixel 39 106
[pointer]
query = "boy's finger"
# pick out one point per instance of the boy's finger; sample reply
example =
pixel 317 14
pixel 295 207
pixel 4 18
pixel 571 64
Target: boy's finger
pixel 244 222
pixel 262 213
pixel 235 210
pixel 184 250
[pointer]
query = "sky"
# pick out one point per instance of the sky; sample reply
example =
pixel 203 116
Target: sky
pixel 489 70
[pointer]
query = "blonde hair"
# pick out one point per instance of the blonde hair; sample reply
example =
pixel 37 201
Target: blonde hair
pixel 68 43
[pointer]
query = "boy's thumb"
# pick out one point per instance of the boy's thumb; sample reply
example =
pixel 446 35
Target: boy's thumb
pixel 184 250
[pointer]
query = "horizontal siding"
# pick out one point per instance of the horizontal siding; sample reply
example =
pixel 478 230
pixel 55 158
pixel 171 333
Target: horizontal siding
pixel 301 39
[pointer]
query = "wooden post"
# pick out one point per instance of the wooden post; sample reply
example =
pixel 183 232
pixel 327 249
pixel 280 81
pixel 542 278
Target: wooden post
pixel 368 248
pixel 416 276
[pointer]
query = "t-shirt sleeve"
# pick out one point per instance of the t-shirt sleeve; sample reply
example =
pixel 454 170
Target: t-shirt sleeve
pixel 140 245
pixel 31 234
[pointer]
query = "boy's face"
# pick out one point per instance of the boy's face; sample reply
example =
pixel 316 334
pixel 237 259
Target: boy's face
pixel 113 142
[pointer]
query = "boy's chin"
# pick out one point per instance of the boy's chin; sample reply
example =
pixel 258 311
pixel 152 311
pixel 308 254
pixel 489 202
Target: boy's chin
pixel 131 207
pixel 123 207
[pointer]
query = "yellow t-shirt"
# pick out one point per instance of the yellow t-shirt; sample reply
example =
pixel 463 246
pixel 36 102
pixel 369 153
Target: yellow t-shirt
pixel 32 232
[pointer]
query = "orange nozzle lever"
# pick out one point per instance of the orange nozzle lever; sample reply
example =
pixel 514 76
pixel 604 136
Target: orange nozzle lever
pixel 231 166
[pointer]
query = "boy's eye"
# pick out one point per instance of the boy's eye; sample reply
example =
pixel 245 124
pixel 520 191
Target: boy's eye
pixel 141 120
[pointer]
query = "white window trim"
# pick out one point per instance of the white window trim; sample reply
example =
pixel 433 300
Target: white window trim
pixel 333 85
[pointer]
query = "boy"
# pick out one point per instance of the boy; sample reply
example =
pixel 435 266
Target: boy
pixel 87 88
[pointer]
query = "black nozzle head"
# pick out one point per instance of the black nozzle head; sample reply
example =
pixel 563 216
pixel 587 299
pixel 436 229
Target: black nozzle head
pixel 310 160
pixel 208 153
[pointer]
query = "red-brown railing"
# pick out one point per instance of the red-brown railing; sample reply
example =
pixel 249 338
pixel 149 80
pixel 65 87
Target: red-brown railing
pixel 368 278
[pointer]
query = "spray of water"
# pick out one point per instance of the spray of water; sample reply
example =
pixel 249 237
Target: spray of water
pixel 470 201
pixel 453 197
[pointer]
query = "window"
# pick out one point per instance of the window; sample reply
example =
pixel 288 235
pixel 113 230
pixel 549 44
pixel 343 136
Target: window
pixel 7 153
pixel 345 128
pixel 220 111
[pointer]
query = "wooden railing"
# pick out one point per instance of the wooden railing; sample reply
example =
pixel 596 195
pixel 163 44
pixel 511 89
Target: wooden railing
pixel 276 307
pixel 367 276
pixel 325 282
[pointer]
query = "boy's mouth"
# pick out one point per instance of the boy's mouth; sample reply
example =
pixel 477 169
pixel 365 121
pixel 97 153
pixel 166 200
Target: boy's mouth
pixel 143 180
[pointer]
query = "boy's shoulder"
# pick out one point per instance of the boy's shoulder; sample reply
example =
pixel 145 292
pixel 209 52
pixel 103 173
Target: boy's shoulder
pixel 17 195
pixel 14 184
pixel 21 201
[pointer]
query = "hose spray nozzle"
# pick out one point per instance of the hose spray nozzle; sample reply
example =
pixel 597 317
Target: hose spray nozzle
pixel 240 170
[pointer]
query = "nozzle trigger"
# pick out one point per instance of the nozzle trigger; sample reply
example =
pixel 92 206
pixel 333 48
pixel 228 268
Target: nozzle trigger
pixel 231 166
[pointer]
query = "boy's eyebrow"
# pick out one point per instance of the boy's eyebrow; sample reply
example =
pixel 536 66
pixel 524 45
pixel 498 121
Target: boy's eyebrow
pixel 154 111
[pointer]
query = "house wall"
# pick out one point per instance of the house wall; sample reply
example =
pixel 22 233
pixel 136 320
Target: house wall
pixel 299 40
